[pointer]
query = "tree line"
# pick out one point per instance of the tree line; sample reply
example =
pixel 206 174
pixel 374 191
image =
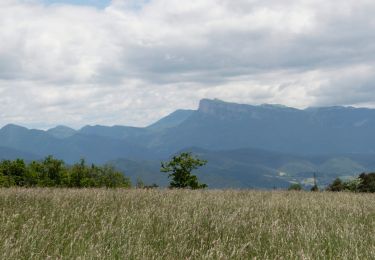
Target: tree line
pixel 365 182
pixel 52 172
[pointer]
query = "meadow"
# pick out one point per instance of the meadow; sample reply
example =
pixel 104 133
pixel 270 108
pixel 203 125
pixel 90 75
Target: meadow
pixel 58 223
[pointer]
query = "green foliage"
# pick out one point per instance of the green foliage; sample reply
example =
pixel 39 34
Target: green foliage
pixel 181 167
pixel 12 173
pixel 367 182
pixel 354 185
pixel 295 186
pixel 52 172
pixel 336 185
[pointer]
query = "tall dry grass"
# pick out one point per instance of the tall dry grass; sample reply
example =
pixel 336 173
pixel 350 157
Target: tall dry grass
pixel 165 224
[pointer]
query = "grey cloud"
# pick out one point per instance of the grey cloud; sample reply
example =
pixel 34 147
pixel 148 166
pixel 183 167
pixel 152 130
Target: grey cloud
pixel 242 48
pixel 130 64
pixel 350 86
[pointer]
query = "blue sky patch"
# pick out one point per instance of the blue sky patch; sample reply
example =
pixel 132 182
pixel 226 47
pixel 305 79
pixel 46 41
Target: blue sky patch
pixel 97 3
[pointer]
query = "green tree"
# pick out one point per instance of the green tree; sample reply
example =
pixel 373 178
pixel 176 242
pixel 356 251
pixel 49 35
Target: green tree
pixel 336 185
pixel 295 186
pixel 13 172
pixel 51 172
pixel 367 182
pixel 78 174
pixel 180 168
pixel 31 177
pixel 7 178
pixel 353 184
pixel 113 179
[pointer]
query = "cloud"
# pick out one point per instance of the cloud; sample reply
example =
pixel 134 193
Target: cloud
pixel 134 61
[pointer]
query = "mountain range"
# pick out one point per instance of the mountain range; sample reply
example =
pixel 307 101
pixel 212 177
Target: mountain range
pixel 246 146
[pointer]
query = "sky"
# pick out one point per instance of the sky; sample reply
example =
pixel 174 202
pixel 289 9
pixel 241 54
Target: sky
pixel 130 62
pixel 96 3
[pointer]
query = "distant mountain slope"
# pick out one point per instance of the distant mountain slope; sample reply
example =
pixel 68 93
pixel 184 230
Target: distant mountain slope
pixel 115 132
pixel 252 168
pixel 171 120
pixel 148 171
pixel 12 154
pixel 30 141
pixel 61 131
pixel 95 149
pixel 139 135
pixel 101 149
pixel 333 141
pixel 221 125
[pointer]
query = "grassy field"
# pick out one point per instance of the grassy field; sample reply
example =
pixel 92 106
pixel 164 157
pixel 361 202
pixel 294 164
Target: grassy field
pixel 164 224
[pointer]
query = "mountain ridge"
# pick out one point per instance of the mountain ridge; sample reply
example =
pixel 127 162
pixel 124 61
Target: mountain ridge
pixel 342 137
pixel 205 104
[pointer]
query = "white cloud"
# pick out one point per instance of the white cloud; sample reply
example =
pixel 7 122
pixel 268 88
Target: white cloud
pixel 135 61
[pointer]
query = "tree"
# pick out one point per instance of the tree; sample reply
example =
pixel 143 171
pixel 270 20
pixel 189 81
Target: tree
pixel 180 168
pixel 7 176
pixel 52 172
pixel 336 185
pixel 353 184
pixel 295 186
pixel 367 182
pixel 12 173
pixel 78 173
pixel 315 187
pixel 111 178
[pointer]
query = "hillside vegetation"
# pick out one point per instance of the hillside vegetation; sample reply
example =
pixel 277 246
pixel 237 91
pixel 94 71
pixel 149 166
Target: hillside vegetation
pixel 171 224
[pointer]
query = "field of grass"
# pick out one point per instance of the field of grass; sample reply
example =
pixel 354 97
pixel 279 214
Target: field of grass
pixel 170 224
